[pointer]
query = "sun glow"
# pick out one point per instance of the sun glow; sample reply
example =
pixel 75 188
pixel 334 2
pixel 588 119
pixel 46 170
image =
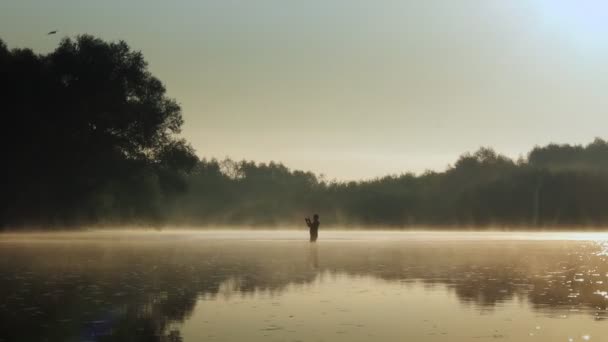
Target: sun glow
pixel 584 23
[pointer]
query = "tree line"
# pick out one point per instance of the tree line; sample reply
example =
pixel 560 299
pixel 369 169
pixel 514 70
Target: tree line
pixel 555 186
pixel 90 138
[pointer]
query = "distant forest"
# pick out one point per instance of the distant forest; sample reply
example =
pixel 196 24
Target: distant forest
pixel 90 138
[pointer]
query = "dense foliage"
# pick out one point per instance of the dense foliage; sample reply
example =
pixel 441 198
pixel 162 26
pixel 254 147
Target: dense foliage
pixel 90 138
pixel 557 185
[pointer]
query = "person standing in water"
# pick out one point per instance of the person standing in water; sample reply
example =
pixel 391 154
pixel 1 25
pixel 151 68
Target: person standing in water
pixel 314 227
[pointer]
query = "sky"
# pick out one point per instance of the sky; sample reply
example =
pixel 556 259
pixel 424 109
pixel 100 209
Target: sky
pixel 356 89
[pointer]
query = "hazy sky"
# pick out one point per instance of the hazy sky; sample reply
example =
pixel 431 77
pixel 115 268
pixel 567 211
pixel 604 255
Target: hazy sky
pixel 356 89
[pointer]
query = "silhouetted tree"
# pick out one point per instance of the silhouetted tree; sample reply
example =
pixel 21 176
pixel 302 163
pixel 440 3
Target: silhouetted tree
pixel 93 135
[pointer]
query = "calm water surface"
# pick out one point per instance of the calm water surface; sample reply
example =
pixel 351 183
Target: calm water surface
pixel 276 286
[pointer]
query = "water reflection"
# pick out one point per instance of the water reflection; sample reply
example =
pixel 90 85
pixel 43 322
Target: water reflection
pixel 141 290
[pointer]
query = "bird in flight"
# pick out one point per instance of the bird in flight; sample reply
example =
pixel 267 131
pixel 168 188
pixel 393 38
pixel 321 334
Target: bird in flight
pixel 52 32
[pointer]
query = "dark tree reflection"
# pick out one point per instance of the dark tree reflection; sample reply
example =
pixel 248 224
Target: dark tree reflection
pixel 141 292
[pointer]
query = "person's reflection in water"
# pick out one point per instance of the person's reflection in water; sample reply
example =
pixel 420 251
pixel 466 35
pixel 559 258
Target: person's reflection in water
pixel 313 256
pixel 314 227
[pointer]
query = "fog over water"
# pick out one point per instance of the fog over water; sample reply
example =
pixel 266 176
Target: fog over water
pixel 275 285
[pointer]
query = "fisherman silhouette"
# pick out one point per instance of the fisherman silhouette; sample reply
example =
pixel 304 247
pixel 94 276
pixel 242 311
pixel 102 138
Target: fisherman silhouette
pixel 314 227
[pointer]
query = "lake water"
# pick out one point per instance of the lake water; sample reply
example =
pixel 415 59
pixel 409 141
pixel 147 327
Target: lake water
pixel 276 286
